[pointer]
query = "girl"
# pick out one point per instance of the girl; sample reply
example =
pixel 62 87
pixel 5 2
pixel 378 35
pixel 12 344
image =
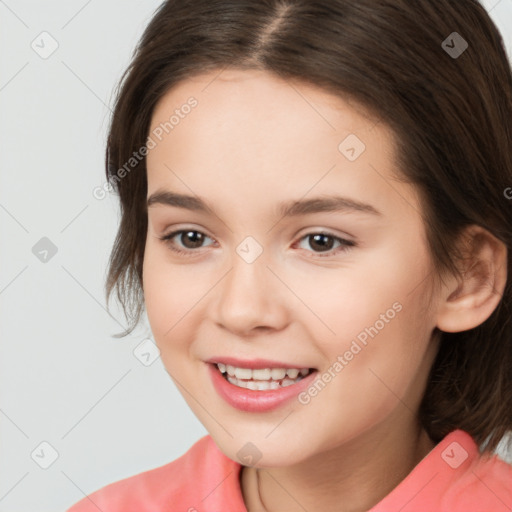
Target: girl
pixel 316 216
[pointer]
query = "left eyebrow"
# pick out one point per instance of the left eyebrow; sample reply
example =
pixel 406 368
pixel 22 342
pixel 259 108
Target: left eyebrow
pixel 325 204
pixel 288 209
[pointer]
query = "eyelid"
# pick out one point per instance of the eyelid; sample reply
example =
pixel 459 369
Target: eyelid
pixel 346 244
pixel 166 238
pixel 318 230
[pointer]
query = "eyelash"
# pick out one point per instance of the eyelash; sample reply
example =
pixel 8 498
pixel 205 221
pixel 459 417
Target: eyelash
pixel 345 245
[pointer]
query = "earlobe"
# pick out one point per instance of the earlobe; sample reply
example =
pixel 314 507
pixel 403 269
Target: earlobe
pixel 471 299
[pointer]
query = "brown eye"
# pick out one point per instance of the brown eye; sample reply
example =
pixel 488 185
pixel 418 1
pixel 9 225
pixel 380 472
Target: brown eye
pixel 189 239
pixel 326 243
pixel 321 242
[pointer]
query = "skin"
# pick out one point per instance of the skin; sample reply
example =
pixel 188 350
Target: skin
pixel 253 141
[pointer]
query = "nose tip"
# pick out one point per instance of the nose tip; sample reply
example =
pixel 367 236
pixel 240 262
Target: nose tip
pixel 249 300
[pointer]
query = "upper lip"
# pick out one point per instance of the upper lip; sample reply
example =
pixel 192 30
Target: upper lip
pixel 254 363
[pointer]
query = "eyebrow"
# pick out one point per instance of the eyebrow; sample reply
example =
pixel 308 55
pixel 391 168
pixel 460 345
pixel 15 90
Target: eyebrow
pixel 292 208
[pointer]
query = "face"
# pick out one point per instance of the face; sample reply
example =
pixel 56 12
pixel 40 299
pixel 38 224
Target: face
pixel 297 250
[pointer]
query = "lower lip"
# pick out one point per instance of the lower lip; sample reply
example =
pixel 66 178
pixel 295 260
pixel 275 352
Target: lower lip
pixel 250 400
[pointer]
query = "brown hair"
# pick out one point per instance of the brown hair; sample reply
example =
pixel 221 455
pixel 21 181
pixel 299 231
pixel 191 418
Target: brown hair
pixel 451 116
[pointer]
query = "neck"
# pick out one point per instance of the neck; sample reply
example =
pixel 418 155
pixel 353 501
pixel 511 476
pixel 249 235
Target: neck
pixel 350 478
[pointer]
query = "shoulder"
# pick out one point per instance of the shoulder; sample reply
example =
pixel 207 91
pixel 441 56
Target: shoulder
pixel 478 481
pixel 454 477
pixel 487 483
pixel 181 482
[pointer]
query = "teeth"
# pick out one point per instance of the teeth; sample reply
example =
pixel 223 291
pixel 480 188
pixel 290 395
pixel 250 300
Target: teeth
pixel 261 385
pixel 252 385
pixel 264 374
pixel 292 373
pixel 262 378
pixel 243 373
pixel 278 373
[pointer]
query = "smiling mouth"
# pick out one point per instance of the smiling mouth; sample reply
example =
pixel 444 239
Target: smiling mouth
pixel 263 379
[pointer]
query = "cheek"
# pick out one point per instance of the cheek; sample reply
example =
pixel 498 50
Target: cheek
pixel 383 339
pixel 381 327
pixel 175 297
pixel 373 367
pixel 373 290
pixel 168 295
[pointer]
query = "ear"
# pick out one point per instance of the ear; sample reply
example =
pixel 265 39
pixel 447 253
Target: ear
pixel 469 300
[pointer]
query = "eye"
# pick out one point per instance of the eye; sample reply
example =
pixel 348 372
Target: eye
pixel 324 243
pixel 190 239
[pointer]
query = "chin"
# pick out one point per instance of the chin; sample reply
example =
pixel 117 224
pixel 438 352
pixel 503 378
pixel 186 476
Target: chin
pixel 258 452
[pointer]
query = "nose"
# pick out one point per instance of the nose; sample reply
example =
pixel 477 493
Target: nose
pixel 251 298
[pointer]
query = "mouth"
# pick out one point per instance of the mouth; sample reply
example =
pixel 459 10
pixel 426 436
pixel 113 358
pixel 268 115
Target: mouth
pixel 262 379
pixel 258 385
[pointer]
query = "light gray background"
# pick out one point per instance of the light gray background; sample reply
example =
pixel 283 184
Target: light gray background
pixel 63 379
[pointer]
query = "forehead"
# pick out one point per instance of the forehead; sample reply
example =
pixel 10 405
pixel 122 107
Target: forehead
pixel 264 96
pixel 251 129
pixel 245 114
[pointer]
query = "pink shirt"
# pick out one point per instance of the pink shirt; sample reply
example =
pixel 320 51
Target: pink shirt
pixel 453 477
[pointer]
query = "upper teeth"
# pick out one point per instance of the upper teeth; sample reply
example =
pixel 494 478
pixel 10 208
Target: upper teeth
pixel 262 374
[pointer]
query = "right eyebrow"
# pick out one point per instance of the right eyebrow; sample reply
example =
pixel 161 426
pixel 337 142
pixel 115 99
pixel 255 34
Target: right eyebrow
pixel 167 198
